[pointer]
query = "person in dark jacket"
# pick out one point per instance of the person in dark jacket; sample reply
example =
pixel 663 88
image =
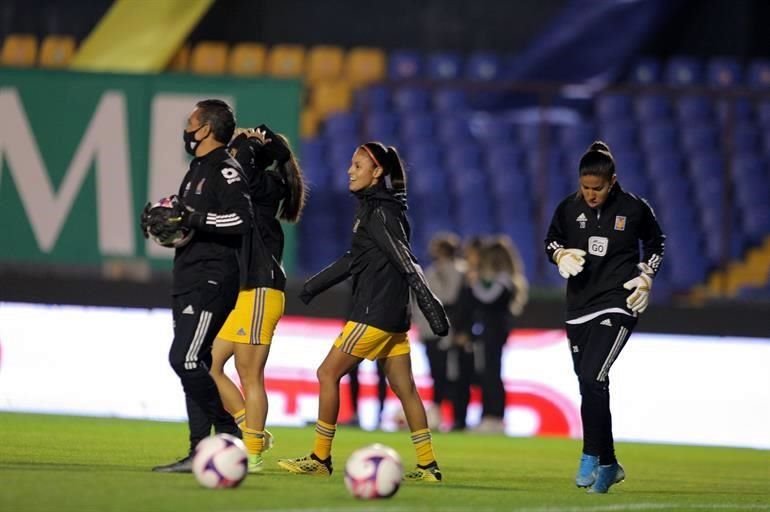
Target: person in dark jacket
pixel 594 241
pixel 214 206
pixel 383 270
pixel 277 190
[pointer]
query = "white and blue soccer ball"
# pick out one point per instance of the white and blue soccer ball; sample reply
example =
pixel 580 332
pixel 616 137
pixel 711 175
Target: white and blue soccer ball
pixel 373 472
pixel 220 462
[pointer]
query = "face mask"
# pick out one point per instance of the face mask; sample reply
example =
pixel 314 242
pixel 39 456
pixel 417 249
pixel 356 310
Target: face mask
pixel 189 140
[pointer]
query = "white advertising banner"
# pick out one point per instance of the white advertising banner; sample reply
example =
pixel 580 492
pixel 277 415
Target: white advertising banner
pixel 114 362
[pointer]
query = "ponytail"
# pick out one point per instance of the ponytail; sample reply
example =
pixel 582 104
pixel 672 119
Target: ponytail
pixel 294 202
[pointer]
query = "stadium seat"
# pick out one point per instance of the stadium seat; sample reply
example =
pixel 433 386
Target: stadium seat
pixel 286 61
pixel 309 122
pixel 615 106
pixel 699 137
pixel 411 99
pixel 652 107
pixel 758 74
pixel 528 134
pixel 404 65
pixel 463 156
pixel 665 167
pixel 694 108
pixel 619 135
pixel 19 50
pixel 374 98
pixel 423 157
pixel 247 59
pixel 483 66
pixel 492 129
pixel 646 71
pixel 180 62
pixel 660 136
pixel 420 127
pixel 745 138
pixel 328 97
pixel 312 151
pixel 324 63
pixel 723 72
pixel 735 110
pixel 453 128
pixel 209 58
pixel 684 71
pixel 444 66
pixel 504 159
pixel 365 65
pixel 576 137
pixel 341 125
pixel 449 100
pixel 627 162
pixel 381 126
pixel 56 51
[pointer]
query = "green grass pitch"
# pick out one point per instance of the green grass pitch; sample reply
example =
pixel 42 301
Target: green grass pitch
pixel 59 463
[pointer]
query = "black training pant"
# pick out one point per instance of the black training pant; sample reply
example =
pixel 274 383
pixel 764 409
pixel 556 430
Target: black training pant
pixel 198 316
pixel 595 346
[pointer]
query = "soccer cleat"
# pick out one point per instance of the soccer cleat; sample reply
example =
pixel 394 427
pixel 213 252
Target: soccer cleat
pixel 256 464
pixel 183 465
pixel 586 474
pixel 268 442
pixel 429 473
pixel 308 465
pixel 606 477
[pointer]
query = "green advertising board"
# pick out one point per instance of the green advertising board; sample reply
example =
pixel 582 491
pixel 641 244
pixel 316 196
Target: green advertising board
pixel 81 153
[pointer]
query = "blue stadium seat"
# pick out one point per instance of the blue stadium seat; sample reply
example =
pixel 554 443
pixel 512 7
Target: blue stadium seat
pixel 576 137
pixel 620 135
pixel 421 126
pixel 635 183
pixel 614 106
pixel 663 167
pixel 737 110
pixel 504 159
pixel 450 100
pixel 646 71
pixel 410 99
pixel 684 71
pixel 746 138
pixel 707 165
pixel 341 124
pixel 758 74
pixel 453 129
pixel 763 113
pixel 652 107
pixel 491 129
pixel 316 174
pixel 427 179
pixel 723 72
pixel 483 66
pixel 528 134
pixel 694 108
pixel 312 151
pixel 627 162
pixel 382 126
pixel 444 66
pixel 419 156
pixel 699 137
pixel 405 64
pixel 374 98
pixel 660 136
pixel 460 157
pixel 749 168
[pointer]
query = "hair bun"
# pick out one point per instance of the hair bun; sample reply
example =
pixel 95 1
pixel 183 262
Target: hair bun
pixel 599 145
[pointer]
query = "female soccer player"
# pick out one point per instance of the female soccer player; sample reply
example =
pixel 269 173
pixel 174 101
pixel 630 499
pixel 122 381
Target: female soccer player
pixel 384 271
pixel 594 240
pixel 277 191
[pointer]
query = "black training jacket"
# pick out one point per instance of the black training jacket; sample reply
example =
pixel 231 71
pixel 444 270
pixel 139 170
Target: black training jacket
pixel 215 188
pixel 383 268
pixel 262 252
pixel 610 236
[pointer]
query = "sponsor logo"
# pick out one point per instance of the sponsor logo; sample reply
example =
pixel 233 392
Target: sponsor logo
pixel 582 219
pixel 606 322
pixel 597 245
pixel 241 332
pixel 188 310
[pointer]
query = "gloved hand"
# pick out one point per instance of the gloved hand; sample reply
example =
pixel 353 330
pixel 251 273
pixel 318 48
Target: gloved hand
pixel 569 261
pixel 184 215
pixel 145 219
pixel 642 284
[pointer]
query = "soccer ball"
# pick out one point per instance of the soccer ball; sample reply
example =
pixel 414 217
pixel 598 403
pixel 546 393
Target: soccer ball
pixel 220 461
pixel 172 240
pixel 373 472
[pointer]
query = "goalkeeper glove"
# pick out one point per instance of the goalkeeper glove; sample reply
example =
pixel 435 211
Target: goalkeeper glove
pixel 639 299
pixel 569 261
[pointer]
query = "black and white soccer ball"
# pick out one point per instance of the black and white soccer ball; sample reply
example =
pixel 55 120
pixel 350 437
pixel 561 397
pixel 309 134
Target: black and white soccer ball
pixel 164 208
pixel 373 472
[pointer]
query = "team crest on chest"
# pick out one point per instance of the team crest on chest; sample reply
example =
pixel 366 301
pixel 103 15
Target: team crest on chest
pixel 620 223
pixel 582 219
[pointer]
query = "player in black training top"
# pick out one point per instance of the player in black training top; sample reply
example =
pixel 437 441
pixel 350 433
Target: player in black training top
pixel 384 272
pixel 594 240
pixel 213 201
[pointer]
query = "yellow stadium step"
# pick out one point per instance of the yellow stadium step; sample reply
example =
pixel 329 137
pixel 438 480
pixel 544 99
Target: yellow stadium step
pixel 752 271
